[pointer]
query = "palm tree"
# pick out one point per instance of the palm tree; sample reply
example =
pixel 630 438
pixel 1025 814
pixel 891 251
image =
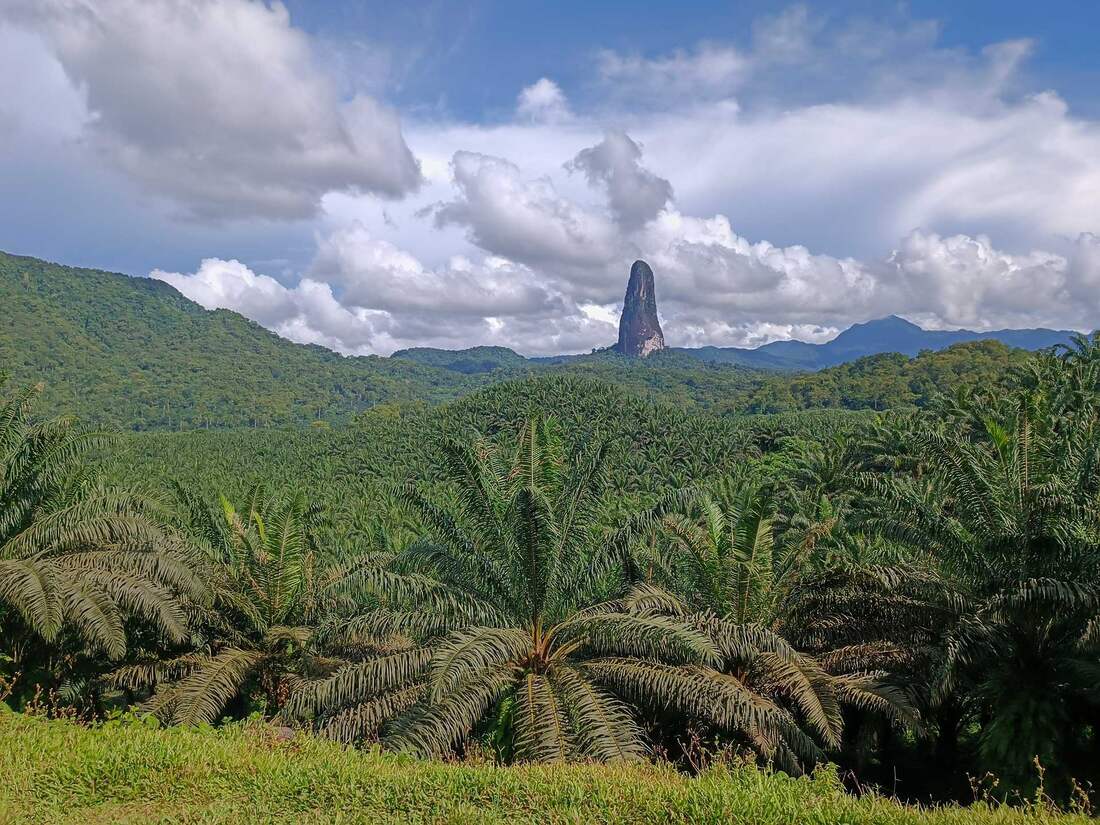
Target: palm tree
pixel 78 559
pixel 510 620
pixel 270 589
pixel 1006 507
pixel 735 584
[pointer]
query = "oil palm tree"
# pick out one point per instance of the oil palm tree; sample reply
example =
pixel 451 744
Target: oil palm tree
pixel 270 589
pixel 78 558
pixel 734 583
pixel 1006 507
pixel 510 620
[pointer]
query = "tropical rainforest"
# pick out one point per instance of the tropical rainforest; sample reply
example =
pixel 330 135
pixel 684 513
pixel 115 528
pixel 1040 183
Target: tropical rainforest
pixel 134 354
pixel 552 569
pixel 889 569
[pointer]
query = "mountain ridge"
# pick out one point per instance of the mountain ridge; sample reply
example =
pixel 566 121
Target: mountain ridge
pixel 892 334
pixel 135 353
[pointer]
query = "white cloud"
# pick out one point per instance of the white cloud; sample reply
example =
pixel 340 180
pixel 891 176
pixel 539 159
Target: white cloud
pixel 543 100
pixel 524 219
pixel 376 274
pixel 634 194
pixel 715 285
pixel 965 281
pixel 364 296
pixel 307 313
pixel 826 172
pixel 710 71
pixel 219 105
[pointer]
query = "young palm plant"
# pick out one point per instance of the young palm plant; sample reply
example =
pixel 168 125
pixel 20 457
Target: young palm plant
pixel 78 560
pixel 509 620
pixel 270 589
pixel 1007 509
pixel 734 583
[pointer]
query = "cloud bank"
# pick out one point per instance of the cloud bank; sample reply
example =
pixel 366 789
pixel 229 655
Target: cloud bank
pixel 218 105
pixel 816 175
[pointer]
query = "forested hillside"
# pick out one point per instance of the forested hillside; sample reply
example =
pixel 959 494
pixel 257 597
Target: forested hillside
pixel 557 569
pixel 887 381
pixel 655 446
pixel 133 353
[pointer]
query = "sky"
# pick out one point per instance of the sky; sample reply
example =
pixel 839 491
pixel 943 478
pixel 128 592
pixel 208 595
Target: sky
pixel 370 176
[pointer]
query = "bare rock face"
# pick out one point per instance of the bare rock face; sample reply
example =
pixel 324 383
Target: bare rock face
pixel 639 330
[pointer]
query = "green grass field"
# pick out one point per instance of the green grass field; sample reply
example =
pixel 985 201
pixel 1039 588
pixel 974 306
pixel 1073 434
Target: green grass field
pixel 56 771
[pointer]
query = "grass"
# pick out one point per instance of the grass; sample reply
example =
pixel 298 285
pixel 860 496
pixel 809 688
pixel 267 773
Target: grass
pixel 129 771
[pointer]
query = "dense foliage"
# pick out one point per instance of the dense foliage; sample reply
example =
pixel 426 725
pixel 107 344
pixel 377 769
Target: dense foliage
pixel 133 353
pixel 557 568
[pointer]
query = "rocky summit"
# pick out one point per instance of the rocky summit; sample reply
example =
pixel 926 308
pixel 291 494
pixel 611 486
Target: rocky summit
pixel 639 330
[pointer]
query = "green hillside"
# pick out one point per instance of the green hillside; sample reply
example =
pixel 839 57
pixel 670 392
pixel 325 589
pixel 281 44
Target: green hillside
pixel 133 353
pixel 886 381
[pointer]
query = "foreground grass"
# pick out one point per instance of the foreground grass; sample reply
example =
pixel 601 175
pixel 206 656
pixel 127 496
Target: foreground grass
pixel 55 771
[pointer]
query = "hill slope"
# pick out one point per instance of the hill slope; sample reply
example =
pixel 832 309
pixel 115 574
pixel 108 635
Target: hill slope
pixel 134 352
pixel 885 335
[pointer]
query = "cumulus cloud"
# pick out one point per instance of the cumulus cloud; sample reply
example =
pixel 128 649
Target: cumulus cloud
pixel 375 273
pixel 634 194
pixel 366 296
pixel 826 171
pixel 524 219
pixel 543 100
pixel 720 286
pixel 219 105
pixel 942 282
pixel 307 313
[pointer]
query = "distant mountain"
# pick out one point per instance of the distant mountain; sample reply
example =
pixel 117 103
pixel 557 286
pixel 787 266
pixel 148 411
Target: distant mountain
pixel 640 335
pixel 134 352
pixel 891 334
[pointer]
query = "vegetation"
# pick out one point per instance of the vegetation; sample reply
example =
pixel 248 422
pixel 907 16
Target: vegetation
pixel 558 568
pixel 125 771
pixel 78 560
pixel 887 381
pixel 165 363
pixel 134 353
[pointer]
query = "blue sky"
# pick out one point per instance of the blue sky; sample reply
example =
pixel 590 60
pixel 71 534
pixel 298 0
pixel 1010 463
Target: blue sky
pixel 369 176
pixel 457 50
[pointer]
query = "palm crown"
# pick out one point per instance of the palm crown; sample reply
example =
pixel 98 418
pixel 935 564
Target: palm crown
pixel 76 555
pixel 506 617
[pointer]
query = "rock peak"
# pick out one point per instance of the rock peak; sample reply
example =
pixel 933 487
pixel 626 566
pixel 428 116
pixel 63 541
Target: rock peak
pixel 639 330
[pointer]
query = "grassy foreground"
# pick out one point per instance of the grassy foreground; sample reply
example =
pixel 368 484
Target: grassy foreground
pixel 56 771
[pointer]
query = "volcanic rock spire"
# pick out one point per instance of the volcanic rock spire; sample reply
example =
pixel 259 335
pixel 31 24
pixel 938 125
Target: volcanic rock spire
pixel 639 330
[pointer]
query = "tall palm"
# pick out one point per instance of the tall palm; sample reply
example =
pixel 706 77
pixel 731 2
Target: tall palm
pixel 505 622
pixel 1007 508
pixel 270 589
pixel 78 557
